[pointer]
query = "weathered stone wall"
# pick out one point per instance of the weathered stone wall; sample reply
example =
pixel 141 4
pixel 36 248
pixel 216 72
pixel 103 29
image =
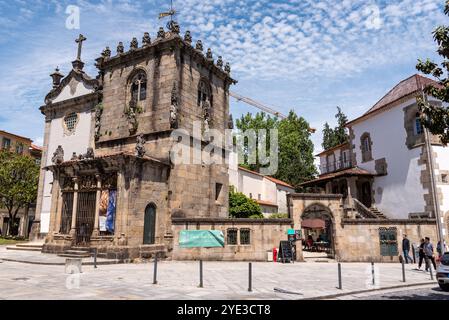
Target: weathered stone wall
pixel 265 235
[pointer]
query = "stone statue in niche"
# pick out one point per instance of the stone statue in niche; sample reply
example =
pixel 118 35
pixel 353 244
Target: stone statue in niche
pixel 230 122
pixel 58 156
pixel 206 114
pixel 140 146
pixel 174 108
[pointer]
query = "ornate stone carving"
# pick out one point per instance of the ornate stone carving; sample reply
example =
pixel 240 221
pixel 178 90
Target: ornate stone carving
pixel 146 40
pixel 173 26
pixel 109 181
pixel 74 157
pixel 106 53
pixel 206 114
pixel 87 182
pixel 199 45
pixel 161 33
pixel 131 114
pixel 209 55
pixel 188 37
pixel 134 44
pixel 120 48
pixel 230 122
pixel 220 62
pixel 98 114
pixel 58 156
pixel 174 107
pixel 140 146
pixel 227 68
pixel 88 155
pixel 67 184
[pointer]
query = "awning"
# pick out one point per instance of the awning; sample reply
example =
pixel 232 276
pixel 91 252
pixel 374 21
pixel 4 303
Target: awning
pixel 313 224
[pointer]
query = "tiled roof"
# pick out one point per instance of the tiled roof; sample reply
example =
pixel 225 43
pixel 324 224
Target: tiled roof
pixel 266 203
pixel 340 146
pixel 313 224
pixel 411 85
pixel 355 171
pixel 14 135
pixel 279 182
pixel 33 146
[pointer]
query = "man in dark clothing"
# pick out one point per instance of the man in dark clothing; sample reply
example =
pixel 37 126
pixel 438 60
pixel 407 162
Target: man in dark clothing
pixel 406 249
pixel 421 255
pixel 428 251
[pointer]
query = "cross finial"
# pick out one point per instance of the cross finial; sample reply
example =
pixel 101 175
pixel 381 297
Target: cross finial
pixel 80 40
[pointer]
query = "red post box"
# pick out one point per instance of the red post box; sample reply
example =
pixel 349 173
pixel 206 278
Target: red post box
pixel 275 254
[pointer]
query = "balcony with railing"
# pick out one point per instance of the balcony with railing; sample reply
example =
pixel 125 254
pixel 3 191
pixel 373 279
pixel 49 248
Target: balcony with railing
pixel 335 166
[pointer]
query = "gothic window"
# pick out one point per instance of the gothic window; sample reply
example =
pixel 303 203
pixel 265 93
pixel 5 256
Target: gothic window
pixel 231 238
pixel 139 87
pixel 418 125
pixel 70 122
pixel 204 93
pixel 366 147
pixel 245 236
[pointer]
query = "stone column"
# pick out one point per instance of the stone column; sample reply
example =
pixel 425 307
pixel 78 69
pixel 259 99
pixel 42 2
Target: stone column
pixel 57 226
pixel 96 231
pixel 75 208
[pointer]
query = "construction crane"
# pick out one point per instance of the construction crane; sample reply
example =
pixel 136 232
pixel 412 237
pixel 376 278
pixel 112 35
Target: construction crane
pixel 262 107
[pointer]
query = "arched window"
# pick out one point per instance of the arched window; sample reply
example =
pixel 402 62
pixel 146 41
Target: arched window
pixel 366 147
pixel 139 86
pixel 204 93
pixel 149 229
pixel 418 125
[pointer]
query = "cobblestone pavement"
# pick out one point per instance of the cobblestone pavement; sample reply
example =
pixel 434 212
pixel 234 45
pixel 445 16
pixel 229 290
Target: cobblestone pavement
pixel 179 280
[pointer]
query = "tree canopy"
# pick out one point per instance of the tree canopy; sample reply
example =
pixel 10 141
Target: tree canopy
pixel 19 177
pixel 436 119
pixel 295 148
pixel 338 135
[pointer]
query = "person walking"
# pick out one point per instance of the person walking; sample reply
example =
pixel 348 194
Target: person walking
pixel 428 251
pixel 406 249
pixel 421 254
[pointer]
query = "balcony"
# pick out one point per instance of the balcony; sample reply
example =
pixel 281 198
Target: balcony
pixel 335 166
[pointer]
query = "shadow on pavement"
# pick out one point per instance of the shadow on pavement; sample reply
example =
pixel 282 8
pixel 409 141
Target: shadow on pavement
pixel 428 294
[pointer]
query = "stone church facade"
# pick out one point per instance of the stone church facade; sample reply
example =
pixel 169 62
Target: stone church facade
pixel 107 180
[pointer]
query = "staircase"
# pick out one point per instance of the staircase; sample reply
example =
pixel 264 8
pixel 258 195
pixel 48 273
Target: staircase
pixel 368 213
pixel 26 247
pixel 378 214
pixel 76 252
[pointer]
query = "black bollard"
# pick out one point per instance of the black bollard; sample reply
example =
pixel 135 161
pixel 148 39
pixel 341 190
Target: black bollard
pixel 372 272
pixel 95 257
pixel 403 271
pixel 414 253
pixel 155 270
pixel 340 286
pixel 430 270
pixel 201 274
pixel 250 276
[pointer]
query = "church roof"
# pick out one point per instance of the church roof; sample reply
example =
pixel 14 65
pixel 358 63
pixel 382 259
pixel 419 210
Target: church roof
pixel 408 87
pixel 355 171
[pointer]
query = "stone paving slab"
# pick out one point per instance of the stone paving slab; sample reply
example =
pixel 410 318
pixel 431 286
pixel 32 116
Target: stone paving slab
pixel 180 280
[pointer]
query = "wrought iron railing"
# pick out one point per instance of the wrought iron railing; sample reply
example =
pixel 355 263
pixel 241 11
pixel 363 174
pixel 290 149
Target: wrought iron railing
pixel 335 166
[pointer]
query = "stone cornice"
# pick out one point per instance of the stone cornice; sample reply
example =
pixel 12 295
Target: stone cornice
pixel 157 47
pixel 232 221
pixel 315 196
pixel 388 221
pixel 48 108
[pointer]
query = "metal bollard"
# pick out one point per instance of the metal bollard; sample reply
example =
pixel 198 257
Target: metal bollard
pixel 250 276
pixel 155 270
pixel 403 271
pixel 372 272
pixel 201 274
pixel 414 253
pixel 430 270
pixel 340 286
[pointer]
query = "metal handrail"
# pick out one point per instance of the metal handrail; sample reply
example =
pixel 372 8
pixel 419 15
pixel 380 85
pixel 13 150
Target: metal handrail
pixel 363 210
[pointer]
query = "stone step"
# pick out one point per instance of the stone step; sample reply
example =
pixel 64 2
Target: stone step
pixel 70 255
pixel 29 245
pixel 24 248
pixel 81 252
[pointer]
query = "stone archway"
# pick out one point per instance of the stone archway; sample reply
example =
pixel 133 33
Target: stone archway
pixel 318 227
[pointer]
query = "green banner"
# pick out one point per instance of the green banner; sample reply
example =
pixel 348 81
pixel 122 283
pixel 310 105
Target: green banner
pixel 201 239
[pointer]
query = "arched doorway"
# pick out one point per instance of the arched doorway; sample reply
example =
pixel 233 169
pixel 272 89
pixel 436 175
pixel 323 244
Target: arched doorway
pixel 149 229
pixel 317 224
pixel 366 194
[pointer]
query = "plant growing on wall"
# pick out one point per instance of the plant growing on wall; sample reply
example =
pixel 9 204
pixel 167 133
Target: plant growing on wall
pixel 19 177
pixel 240 206
pixel 436 119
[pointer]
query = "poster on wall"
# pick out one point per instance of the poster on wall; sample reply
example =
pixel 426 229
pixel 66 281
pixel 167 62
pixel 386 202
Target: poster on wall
pixel 104 201
pixel 201 239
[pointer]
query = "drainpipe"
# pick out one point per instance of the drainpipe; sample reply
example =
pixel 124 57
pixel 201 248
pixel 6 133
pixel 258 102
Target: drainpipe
pixel 433 191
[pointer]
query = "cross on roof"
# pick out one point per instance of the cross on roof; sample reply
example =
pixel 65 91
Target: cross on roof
pixel 80 40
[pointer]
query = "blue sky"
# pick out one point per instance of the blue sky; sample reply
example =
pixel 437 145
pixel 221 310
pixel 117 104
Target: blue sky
pixel 306 55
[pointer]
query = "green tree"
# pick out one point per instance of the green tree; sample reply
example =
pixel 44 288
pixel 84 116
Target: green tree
pixel 260 121
pixel 296 159
pixel 338 135
pixel 240 206
pixel 19 177
pixel 436 119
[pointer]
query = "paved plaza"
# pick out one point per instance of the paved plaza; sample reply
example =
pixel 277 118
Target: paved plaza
pixel 180 280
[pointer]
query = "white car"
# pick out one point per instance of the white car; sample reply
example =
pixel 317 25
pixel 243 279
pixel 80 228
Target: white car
pixel 443 272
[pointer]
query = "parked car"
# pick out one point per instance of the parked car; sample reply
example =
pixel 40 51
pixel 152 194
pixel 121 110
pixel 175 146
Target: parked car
pixel 443 272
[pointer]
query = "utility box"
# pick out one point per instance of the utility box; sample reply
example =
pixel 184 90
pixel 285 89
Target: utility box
pixel 269 256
